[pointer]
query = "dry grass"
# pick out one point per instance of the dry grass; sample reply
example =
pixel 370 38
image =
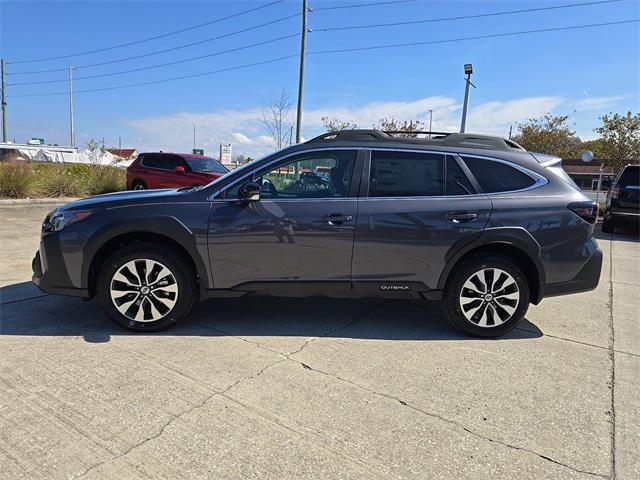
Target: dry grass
pixel 22 179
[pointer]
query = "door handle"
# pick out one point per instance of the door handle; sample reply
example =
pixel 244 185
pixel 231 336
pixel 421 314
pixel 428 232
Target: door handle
pixel 461 217
pixel 337 219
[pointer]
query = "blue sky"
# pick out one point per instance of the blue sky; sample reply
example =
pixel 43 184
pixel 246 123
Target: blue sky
pixel 585 73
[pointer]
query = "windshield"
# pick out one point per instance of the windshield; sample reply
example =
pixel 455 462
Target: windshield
pixel 205 164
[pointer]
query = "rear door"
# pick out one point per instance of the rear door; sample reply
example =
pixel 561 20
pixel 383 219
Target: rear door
pixel 301 230
pixel 415 206
pixel 629 185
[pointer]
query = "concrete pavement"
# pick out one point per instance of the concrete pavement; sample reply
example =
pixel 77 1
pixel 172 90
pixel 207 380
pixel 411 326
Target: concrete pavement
pixel 317 388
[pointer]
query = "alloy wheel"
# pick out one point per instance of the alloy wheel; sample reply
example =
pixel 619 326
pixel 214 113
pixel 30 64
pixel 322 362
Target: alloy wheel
pixel 144 290
pixel 489 297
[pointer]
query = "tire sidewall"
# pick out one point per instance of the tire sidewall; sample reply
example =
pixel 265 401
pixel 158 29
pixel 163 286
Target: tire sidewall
pixel 169 259
pixel 460 276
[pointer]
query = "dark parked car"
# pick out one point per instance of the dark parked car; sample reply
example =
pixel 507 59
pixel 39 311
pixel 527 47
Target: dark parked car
pixel 623 199
pixel 474 221
pixel 172 170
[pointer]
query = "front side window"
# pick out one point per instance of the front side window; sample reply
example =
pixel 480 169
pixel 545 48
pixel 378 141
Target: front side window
pixel 406 174
pixel 496 177
pixel 205 164
pixel 324 174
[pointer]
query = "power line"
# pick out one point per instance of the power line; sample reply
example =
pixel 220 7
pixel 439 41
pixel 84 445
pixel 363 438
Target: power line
pixel 171 79
pixel 345 50
pixel 463 17
pixel 476 37
pixel 148 39
pixel 166 64
pixel 179 47
pixel 357 5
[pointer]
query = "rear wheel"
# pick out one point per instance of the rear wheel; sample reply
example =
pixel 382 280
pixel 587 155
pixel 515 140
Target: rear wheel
pixel 486 296
pixel 608 225
pixel 146 287
pixel 139 185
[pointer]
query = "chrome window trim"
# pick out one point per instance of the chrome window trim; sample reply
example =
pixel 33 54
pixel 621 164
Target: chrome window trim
pixel 212 198
pixel 538 179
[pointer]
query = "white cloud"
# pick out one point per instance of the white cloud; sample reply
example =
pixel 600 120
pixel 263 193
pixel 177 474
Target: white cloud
pixel 597 103
pixel 244 129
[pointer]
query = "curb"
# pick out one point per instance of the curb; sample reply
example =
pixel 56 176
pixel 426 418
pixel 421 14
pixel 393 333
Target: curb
pixel 35 201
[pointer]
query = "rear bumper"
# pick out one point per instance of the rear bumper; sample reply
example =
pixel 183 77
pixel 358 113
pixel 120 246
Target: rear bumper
pixel 586 279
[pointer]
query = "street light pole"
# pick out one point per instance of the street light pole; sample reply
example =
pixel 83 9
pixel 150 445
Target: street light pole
pixel 194 135
pixel 4 106
pixel 468 69
pixel 73 132
pixel 303 46
pixel 430 121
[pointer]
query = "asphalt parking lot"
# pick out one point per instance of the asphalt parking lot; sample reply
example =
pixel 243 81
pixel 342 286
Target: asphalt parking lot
pixel 317 388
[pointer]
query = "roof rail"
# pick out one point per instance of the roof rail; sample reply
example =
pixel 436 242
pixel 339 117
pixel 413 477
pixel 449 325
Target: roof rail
pixel 468 140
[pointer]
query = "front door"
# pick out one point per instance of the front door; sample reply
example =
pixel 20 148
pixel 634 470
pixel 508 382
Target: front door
pixel 415 208
pixel 301 229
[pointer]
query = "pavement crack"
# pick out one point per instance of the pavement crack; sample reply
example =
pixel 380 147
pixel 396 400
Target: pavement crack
pixel 328 333
pixel 449 421
pixel 18 300
pixel 612 365
pixel 173 419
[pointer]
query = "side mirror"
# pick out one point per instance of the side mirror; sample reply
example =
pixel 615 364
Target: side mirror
pixel 180 169
pixel 250 192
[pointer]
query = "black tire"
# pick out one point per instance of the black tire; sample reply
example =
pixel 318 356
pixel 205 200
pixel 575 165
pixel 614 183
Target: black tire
pixel 183 277
pixel 608 225
pixel 139 185
pixel 454 297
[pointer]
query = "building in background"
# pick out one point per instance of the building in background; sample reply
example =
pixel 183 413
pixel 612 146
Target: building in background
pixel 124 153
pixel 586 174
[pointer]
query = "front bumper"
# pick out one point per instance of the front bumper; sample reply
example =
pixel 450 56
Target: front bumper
pixel 57 264
pixel 586 279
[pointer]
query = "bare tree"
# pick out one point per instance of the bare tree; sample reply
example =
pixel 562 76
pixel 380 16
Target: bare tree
pixel 393 125
pixel 274 118
pixel 336 125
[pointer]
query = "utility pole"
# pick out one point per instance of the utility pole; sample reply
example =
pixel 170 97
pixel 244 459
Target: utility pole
pixel 194 135
pixel 303 47
pixel 120 144
pixel 73 132
pixel 4 105
pixel 430 121
pixel 468 69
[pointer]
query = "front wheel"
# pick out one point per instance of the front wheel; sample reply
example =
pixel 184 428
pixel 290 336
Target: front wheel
pixel 146 287
pixel 486 296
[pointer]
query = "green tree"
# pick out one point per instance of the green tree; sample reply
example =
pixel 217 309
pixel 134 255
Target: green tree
pixel 596 146
pixel 620 138
pixel 549 134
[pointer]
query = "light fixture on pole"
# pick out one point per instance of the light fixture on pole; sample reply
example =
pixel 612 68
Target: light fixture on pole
pixel 468 70
pixel 587 157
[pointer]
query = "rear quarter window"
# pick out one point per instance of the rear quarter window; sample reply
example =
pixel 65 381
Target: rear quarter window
pixel 630 176
pixel 496 177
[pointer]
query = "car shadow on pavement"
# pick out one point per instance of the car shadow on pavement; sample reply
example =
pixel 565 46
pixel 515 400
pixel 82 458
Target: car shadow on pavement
pixel 26 311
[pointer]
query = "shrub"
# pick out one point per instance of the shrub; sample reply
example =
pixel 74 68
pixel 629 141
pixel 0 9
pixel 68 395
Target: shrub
pixel 106 180
pixel 56 180
pixel 16 179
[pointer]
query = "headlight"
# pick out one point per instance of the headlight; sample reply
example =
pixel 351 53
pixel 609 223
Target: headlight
pixel 56 221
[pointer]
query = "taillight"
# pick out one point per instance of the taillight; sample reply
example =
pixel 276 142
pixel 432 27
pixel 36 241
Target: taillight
pixel 615 191
pixel 588 211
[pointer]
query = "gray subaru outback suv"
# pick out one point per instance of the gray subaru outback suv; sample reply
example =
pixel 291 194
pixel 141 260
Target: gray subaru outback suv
pixel 472 220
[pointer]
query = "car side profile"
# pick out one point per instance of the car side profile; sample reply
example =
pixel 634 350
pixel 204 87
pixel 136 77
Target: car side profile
pixel 623 199
pixel 172 170
pixel 474 221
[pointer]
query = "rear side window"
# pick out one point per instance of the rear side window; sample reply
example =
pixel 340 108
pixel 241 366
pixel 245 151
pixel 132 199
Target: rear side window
pixel 457 181
pixel 630 177
pixel 163 161
pixel 496 177
pixel 406 174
